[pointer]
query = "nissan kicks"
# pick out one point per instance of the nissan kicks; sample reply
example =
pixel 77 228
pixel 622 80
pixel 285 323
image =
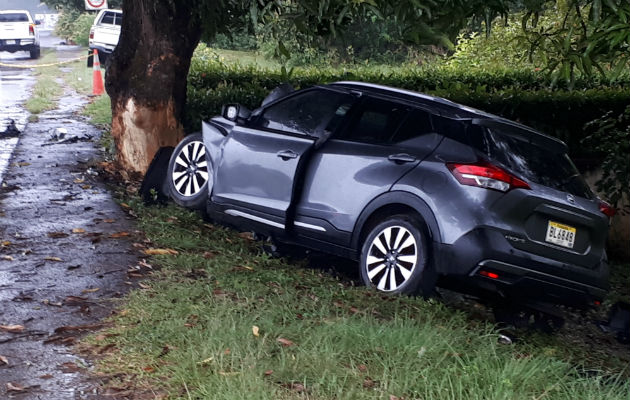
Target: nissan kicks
pixel 417 189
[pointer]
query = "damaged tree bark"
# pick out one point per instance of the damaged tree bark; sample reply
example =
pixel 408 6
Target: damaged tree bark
pixel 146 79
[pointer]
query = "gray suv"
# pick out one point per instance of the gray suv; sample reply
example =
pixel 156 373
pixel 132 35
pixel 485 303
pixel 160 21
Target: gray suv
pixel 418 189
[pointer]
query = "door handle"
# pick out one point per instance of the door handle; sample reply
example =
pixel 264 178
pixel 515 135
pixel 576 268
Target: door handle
pixel 287 154
pixel 401 158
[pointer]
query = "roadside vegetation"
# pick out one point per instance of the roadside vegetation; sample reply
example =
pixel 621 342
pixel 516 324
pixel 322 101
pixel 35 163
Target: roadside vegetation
pixel 47 89
pixel 222 319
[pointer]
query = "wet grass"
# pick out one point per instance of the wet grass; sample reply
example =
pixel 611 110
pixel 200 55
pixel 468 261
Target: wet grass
pixel 221 319
pixel 46 90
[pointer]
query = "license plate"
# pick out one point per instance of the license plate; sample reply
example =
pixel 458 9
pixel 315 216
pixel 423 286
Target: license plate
pixel 560 234
pixel 10 41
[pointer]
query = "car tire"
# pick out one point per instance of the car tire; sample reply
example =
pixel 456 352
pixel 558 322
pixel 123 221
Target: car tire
pixel 190 173
pixel 395 259
pixel 35 53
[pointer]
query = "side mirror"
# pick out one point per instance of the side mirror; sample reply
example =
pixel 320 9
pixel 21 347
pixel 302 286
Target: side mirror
pixel 235 112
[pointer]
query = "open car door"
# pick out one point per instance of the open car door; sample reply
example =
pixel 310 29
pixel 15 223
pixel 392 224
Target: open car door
pixel 261 162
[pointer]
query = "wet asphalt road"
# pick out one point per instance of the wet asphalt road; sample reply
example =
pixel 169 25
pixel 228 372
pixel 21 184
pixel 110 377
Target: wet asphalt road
pixel 65 246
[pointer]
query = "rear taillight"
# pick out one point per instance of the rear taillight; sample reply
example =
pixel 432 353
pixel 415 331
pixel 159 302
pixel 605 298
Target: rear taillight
pixel 606 208
pixel 91 34
pixel 485 175
pixel 31 29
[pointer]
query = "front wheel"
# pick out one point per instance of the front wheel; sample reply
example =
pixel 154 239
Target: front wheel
pixel 394 257
pixel 190 173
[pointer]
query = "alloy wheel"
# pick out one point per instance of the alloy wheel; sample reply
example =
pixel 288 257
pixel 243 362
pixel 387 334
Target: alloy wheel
pixel 190 172
pixel 391 258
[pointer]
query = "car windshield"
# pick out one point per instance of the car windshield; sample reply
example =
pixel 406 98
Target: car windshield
pixel 543 163
pixel 14 17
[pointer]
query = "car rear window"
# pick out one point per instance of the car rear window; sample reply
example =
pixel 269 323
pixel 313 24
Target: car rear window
pixel 112 18
pixel 546 165
pixel 14 17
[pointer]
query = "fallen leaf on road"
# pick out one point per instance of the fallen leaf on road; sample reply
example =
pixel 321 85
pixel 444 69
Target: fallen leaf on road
pixel 57 235
pixel 125 205
pixel 79 180
pixel 4 360
pixel 148 369
pixel 56 259
pixel 119 235
pixel 23 164
pixel 109 221
pixel 46 376
pixel 75 300
pixel 78 230
pixel 14 387
pixel 285 342
pixel 6 243
pixel 157 252
pixel 85 291
pixel 12 328
pixel 255 331
pixel 69 368
pixel 86 187
pixel 7 258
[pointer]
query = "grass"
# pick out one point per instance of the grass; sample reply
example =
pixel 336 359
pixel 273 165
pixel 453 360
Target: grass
pixel 190 333
pixel 46 90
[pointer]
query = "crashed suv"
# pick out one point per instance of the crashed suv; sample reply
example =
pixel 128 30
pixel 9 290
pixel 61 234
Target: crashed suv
pixel 419 190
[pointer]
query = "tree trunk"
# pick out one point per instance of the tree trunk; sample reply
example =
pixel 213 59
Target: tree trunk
pixel 146 78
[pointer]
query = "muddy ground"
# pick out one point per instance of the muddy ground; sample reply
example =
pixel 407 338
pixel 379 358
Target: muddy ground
pixel 64 256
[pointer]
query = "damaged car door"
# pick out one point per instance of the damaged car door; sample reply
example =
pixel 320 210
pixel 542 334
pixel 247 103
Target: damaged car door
pixel 262 158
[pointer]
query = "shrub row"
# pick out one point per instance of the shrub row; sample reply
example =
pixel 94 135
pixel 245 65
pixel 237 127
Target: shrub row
pixel 518 95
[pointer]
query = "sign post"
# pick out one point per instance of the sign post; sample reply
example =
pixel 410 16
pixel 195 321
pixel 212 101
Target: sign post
pixel 95 4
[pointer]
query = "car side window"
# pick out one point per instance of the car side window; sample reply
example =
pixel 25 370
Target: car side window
pixel 417 123
pixel 376 123
pixel 314 113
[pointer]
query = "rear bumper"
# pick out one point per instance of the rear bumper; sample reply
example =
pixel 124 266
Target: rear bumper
pixel 13 45
pixel 102 49
pixel 484 261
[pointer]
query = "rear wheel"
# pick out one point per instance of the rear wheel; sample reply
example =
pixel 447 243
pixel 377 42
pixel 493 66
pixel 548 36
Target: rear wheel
pixel 394 257
pixel 190 173
pixel 35 52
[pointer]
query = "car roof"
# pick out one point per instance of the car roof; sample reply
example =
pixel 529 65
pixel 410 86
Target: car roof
pixel 447 108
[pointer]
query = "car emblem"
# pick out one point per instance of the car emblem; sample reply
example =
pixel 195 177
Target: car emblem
pixel 570 198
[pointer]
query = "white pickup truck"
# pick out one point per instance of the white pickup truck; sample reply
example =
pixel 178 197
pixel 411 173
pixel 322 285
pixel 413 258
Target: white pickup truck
pixel 104 34
pixel 18 32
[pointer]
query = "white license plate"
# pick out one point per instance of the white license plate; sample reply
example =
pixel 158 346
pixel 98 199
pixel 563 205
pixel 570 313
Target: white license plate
pixel 10 41
pixel 561 234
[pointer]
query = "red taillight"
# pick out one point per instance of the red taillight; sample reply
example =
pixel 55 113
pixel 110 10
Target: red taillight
pixel 606 208
pixel 31 29
pixel 91 34
pixel 485 175
pixel 488 274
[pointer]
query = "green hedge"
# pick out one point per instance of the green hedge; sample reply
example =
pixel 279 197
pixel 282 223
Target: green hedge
pixel 523 96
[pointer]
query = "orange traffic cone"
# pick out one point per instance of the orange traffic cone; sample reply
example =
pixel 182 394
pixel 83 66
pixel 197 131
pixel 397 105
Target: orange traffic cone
pixel 97 78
